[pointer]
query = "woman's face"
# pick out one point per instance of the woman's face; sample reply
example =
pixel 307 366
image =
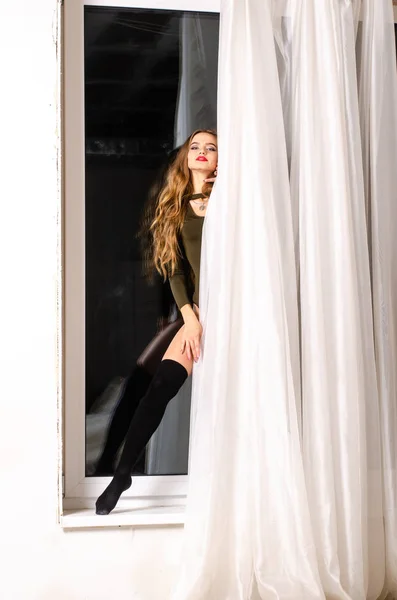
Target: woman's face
pixel 203 153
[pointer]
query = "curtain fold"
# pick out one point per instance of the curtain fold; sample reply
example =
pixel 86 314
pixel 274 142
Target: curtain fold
pixel 341 437
pixel 378 114
pixel 292 474
pixel 246 390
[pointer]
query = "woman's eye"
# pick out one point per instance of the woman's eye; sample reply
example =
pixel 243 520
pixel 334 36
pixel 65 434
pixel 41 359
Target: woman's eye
pixel 194 148
pixel 211 149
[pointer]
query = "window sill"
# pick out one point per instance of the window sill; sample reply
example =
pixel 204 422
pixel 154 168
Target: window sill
pixel 142 517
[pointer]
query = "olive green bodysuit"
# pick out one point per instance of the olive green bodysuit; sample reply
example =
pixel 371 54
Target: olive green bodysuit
pixel 186 279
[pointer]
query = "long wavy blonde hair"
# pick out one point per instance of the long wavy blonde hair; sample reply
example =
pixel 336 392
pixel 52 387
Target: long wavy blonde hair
pixel 171 209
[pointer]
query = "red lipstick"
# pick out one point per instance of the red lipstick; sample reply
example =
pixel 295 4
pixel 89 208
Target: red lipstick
pixel 202 158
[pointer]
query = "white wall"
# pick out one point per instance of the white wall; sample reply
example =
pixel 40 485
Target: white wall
pixel 39 561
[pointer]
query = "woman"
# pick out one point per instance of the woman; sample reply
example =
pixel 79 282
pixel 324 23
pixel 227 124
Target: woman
pixel 176 231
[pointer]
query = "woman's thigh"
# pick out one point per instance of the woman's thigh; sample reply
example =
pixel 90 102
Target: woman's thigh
pixel 173 352
pixel 152 355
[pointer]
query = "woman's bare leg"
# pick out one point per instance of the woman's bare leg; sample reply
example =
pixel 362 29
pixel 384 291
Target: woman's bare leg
pixel 173 352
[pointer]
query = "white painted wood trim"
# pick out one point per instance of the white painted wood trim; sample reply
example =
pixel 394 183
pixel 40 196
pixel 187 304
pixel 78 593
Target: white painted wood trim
pixel 148 487
pixel 58 39
pixel 80 490
pixel 187 5
pixel 74 273
pixel 151 517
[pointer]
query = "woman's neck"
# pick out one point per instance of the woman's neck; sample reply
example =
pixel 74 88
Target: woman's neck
pixel 198 181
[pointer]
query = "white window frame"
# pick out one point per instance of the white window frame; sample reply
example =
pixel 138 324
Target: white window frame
pixel 147 493
pixel 162 497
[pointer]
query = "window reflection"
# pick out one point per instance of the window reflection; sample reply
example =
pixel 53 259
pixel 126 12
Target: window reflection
pixel 150 79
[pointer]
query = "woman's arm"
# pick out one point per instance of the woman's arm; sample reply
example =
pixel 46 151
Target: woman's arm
pixel 179 288
pixel 192 329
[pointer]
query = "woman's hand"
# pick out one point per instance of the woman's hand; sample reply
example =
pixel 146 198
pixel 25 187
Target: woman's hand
pixel 212 179
pixel 191 334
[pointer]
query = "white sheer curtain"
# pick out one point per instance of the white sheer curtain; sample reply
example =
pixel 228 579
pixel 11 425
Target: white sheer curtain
pixel 341 440
pixel 196 106
pixel 293 442
pixel 378 115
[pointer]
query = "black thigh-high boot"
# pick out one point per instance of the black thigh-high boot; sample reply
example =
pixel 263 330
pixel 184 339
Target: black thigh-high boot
pixel 136 387
pixel 166 383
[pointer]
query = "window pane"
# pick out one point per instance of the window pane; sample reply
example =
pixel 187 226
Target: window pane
pixel 150 80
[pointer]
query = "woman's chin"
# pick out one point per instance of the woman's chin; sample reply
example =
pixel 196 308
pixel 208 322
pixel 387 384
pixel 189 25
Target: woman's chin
pixel 203 170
